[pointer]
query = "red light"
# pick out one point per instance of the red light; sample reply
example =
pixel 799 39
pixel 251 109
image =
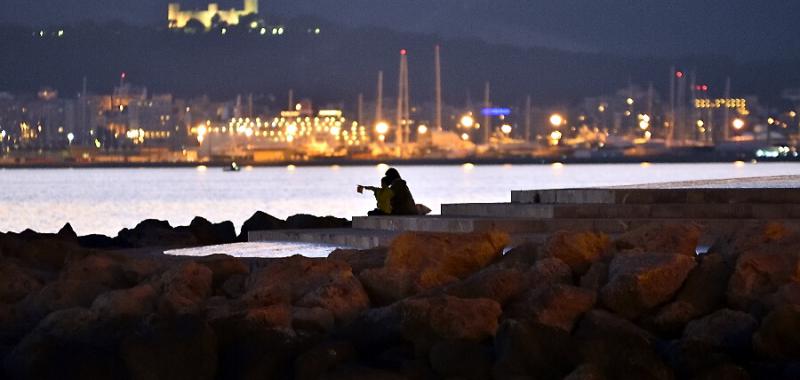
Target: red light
pixel 705 87
pixel 123 75
pixel 403 52
pixel 679 74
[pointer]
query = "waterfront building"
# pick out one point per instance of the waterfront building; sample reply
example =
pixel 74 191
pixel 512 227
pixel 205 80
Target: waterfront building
pixel 178 18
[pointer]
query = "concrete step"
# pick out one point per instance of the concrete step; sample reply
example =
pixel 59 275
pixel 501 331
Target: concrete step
pixel 533 225
pixel 599 210
pixel 658 196
pixel 340 237
pixel 355 238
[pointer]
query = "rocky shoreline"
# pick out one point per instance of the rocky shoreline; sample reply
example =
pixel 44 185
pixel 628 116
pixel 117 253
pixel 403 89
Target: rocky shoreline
pixel 582 305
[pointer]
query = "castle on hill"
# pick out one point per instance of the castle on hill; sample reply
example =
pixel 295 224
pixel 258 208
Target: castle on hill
pixel 213 15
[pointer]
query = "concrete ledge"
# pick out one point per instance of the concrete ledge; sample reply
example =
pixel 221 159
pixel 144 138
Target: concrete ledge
pixel 657 196
pixel 341 237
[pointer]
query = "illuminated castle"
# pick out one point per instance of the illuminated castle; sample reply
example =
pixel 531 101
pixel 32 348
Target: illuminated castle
pixel 178 18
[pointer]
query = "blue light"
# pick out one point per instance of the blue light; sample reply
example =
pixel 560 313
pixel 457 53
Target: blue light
pixel 496 111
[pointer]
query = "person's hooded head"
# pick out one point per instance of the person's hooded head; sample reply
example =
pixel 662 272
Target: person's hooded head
pixel 392 174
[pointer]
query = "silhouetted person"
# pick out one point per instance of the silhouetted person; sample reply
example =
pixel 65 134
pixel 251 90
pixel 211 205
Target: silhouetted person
pixel 402 201
pixel 383 196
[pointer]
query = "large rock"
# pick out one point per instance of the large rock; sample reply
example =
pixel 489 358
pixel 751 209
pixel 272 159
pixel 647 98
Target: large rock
pixel 557 306
pixel 548 272
pixel 422 261
pixel 461 359
pixel 725 329
pixel 748 237
pixel 360 260
pixel 309 283
pixel 533 351
pixel 622 349
pixel 260 221
pixel 493 283
pixel 68 344
pixel 640 282
pixel 135 302
pixel 578 250
pixel 223 267
pixel 656 237
pixel 156 233
pixel 208 233
pixel 16 282
pixel 39 251
pixel 303 221
pixel 759 273
pixel 427 320
pixel 778 338
pixel 319 360
pixel 701 294
pixel 181 348
pixel 596 277
pixel 184 287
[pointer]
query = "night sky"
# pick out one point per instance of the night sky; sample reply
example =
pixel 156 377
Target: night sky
pixel 745 29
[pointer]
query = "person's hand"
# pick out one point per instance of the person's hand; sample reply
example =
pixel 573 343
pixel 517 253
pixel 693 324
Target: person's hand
pixel 360 189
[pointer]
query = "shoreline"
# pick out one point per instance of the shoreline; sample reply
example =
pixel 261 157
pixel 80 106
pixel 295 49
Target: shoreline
pixel 413 162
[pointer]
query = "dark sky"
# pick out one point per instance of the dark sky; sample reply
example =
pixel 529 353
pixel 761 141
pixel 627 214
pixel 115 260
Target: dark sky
pixel 746 29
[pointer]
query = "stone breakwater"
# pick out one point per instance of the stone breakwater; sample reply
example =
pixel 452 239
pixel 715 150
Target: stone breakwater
pixel 581 305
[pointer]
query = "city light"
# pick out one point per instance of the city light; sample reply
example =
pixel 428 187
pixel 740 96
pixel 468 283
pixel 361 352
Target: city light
pixel 382 128
pixel 629 101
pixel 422 129
pixel 555 135
pixel 700 124
pixel 556 120
pixel 506 128
pixel 465 136
pixel 467 121
pixel 738 124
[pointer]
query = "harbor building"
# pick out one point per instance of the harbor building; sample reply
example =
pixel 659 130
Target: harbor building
pixel 178 18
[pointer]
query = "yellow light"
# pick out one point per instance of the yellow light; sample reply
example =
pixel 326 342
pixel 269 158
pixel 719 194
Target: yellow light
pixel 202 168
pixel 263 31
pixel 422 129
pixel 97 143
pixel 645 164
pixel 291 129
pixel 700 124
pixel 771 121
pixel 629 101
pixel 556 135
pixel 291 168
pixel 224 30
pixel 254 25
pixel 738 124
pixel 738 164
pixel 792 114
pixel 60 33
pixel 648 135
pixel 467 121
pixel 465 136
pixel 468 166
pixel 556 120
pixel 335 131
pixel 601 108
pixel 382 127
pixel 557 165
pixel 643 125
pixel 248 132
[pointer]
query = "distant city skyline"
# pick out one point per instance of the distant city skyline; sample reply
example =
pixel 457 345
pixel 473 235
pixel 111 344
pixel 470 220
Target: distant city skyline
pixel 742 29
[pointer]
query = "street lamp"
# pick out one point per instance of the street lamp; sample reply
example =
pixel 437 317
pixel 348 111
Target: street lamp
pixel 467 121
pixel 422 129
pixel 506 129
pixel 556 120
pixel 382 128
pixel 738 124
pixel 70 137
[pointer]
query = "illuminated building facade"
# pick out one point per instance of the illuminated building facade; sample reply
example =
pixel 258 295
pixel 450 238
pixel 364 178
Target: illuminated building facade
pixel 178 18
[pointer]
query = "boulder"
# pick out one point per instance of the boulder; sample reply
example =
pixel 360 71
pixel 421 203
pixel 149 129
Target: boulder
pixel 100 242
pixel 223 267
pixel 156 233
pixel 360 260
pixel 596 277
pixel 39 251
pixel 788 294
pixel 181 348
pixel 728 330
pixel 586 372
pixel 461 359
pixel 16 282
pixel 208 233
pixel 130 303
pixel 759 273
pixel 640 282
pixel 578 250
pixel 309 283
pixel 422 261
pixel 521 256
pixel 313 319
pixel 778 338
pixel 557 306
pixel 427 320
pixel 748 237
pixel 702 293
pixel 184 287
pixel 67 233
pixel 67 344
pixel 494 283
pixel 525 350
pixel 691 358
pixel 303 221
pixel 260 221
pixel 622 349
pixel 548 272
pixel 319 360
pixel 661 237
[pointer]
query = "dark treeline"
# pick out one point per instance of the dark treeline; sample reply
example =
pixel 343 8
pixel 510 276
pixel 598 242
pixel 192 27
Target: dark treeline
pixel 340 62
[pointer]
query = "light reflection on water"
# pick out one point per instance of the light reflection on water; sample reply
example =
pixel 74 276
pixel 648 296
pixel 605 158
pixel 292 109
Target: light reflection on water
pixel 106 200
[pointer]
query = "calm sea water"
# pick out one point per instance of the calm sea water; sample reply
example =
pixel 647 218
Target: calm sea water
pixel 107 200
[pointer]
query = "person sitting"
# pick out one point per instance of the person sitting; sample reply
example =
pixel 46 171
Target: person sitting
pixel 402 201
pixel 383 197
